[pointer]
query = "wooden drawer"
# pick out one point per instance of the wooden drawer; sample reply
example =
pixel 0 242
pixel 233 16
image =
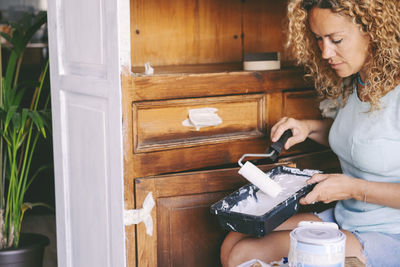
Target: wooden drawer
pixel 164 125
pixel 301 105
pixel 163 144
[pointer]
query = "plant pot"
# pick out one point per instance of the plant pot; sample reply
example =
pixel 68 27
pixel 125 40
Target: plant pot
pixel 29 254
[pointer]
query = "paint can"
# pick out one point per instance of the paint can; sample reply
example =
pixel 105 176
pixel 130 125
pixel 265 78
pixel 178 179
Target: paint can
pixel 317 244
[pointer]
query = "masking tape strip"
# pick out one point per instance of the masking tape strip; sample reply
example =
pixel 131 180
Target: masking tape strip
pixel 141 215
pixel 202 117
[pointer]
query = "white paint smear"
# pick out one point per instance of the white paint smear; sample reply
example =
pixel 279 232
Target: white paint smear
pixel 136 216
pixel 202 117
pixel 261 203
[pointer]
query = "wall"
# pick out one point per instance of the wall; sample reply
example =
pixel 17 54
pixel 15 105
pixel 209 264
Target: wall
pixel 38 4
pixel 33 5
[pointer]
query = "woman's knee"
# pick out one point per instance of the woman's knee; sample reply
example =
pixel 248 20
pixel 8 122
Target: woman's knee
pixel 230 241
pixel 238 254
pixel 269 248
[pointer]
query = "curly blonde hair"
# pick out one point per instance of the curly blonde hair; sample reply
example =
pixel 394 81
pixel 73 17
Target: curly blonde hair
pixel 380 19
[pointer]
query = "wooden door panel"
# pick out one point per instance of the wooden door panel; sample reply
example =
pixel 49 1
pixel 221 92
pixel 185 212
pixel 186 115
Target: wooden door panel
pixel 185 232
pixel 190 240
pixel 87 131
pixel 185 31
pixel 263 25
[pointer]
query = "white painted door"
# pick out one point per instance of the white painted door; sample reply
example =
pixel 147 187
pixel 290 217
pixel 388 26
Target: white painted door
pixel 85 62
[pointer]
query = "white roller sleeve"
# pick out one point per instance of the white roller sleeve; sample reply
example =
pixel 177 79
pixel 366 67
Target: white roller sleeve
pixel 260 179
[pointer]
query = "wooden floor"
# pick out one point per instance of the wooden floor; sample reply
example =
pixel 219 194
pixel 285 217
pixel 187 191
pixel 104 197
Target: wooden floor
pixel 353 262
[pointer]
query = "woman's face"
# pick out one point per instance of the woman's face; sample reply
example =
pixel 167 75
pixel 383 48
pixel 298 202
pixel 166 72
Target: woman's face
pixel 341 42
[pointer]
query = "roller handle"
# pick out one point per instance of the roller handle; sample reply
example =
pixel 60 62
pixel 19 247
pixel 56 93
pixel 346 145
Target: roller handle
pixel 277 146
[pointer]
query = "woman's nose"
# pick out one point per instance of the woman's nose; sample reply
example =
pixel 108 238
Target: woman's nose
pixel 327 50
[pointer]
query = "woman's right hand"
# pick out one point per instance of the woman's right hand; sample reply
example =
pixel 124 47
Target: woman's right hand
pixel 300 131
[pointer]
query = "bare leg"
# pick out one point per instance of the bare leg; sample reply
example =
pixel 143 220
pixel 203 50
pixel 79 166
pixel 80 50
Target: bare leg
pixel 230 241
pixel 238 248
pixel 269 248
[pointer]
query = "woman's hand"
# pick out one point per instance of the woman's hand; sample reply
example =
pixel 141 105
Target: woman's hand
pixel 316 130
pixel 332 187
pixel 299 129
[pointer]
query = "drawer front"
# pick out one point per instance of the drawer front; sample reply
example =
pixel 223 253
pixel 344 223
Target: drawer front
pixel 173 124
pixel 301 105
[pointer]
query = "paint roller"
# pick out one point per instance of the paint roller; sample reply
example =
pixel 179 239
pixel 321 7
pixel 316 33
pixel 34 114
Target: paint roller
pixel 257 176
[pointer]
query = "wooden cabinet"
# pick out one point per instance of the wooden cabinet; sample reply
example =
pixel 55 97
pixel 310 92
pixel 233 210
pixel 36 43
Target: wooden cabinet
pixel 196 48
pixel 185 232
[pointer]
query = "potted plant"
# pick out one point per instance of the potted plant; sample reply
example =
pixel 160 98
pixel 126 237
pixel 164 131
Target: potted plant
pixel 24 118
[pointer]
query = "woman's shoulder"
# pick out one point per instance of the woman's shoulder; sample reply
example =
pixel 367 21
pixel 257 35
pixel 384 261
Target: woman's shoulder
pixel 393 95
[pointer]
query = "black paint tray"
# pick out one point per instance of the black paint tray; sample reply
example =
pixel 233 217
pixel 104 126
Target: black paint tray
pixel 263 224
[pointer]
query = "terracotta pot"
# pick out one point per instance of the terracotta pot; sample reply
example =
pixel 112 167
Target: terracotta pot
pixel 29 254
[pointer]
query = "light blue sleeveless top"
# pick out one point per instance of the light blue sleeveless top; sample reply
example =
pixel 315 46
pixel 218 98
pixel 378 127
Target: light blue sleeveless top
pixel 368 147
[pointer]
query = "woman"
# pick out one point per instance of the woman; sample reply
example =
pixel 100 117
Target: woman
pixel 352 51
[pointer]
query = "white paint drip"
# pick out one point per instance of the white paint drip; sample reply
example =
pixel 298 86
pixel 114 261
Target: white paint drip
pixel 148 70
pixel 230 225
pixel 260 203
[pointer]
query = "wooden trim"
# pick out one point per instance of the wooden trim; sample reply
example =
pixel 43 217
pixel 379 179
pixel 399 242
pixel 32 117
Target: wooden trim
pixel 147 250
pixel 174 86
pixel 129 203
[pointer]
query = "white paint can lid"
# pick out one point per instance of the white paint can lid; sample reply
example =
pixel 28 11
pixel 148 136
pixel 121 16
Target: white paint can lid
pixel 317 235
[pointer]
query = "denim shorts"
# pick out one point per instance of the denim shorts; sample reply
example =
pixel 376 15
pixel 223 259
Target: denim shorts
pixel 380 249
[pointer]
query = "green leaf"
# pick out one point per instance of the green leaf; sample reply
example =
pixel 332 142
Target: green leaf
pixel 24 113
pixel 16 121
pixel 18 96
pixel 21 140
pixel 29 205
pixel 5 137
pixel 22 33
pixel 11 111
pixel 38 121
pixel 39 20
pixel 17 40
pixel 10 71
pixel 46 116
pixel 38 171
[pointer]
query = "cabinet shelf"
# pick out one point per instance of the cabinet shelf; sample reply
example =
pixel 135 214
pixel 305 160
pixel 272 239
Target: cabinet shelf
pixel 204 68
pixel 191 69
pixel 175 82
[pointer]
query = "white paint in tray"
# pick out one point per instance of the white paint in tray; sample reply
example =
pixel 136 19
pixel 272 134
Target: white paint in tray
pixel 260 203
